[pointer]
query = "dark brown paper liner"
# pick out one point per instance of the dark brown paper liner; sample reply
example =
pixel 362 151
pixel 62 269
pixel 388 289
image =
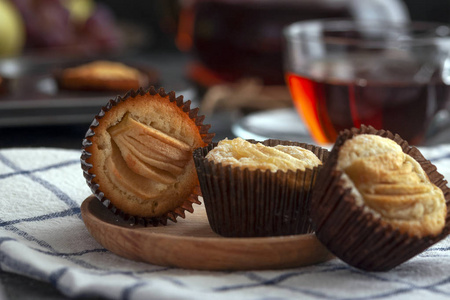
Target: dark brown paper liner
pixel 244 203
pixel 355 236
pixel 97 190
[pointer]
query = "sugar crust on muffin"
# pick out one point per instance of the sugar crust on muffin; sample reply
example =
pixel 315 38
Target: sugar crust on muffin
pixel 392 185
pixel 141 155
pixel 254 189
pixel 241 153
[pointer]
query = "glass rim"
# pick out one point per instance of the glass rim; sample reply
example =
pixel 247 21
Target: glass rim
pixel 430 32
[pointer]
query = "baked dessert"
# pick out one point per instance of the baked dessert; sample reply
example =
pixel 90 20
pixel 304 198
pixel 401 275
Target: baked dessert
pixel 255 189
pixel 378 202
pixel 137 154
pixel 392 185
pixel 103 75
pixel 241 153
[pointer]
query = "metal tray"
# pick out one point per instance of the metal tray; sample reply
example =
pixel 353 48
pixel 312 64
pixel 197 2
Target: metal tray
pixel 32 96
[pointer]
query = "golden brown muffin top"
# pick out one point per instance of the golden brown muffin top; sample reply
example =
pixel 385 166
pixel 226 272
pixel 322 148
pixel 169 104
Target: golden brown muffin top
pixel 141 154
pixel 392 185
pixel 241 153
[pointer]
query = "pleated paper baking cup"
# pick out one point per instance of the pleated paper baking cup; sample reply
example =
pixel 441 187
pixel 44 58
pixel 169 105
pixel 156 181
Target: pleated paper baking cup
pixel 354 234
pixel 137 156
pixel 257 203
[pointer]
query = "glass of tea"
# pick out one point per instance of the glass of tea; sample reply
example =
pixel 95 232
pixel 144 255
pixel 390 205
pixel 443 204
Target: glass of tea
pixel 235 39
pixel 344 73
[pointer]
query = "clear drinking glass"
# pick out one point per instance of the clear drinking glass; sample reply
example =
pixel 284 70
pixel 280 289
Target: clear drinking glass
pixel 343 73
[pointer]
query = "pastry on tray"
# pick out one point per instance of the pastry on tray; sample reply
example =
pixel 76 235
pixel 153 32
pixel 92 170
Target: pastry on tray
pixel 137 155
pixel 378 202
pixel 256 189
pixel 104 75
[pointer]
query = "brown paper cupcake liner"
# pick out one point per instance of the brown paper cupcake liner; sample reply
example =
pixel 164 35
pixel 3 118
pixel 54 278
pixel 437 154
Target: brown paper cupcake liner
pixel 358 237
pixel 259 203
pixel 97 190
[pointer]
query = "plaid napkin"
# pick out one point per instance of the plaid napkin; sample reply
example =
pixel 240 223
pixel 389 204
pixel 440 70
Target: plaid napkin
pixel 43 236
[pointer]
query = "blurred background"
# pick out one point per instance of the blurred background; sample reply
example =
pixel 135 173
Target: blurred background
pixel 224 55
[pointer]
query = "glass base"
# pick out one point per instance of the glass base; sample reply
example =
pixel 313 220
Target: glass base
pixel 283 124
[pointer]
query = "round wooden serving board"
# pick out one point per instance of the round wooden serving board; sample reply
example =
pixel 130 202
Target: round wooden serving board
pixel 191 244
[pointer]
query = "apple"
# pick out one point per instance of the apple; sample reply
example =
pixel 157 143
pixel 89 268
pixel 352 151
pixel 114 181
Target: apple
pixel 12 30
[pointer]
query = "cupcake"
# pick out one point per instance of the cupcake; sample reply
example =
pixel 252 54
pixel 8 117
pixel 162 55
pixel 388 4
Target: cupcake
pixel 137 155
pixel 104 76
pixel 378 202
pixel 258 189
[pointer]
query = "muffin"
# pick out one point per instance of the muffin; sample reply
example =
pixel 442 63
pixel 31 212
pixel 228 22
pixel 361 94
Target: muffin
pixel 137 155
pixel 258 189
pixel 104 76
pixel 378 202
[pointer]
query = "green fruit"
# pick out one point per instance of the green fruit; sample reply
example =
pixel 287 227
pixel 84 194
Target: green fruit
pixel 80 10
pixel 12 30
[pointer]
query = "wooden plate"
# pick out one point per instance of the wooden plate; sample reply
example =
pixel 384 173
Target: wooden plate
pixel 191 244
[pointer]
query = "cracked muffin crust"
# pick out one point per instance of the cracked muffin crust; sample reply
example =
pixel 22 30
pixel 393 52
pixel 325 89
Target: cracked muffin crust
pixel 392 185
pixel 138 154
pixel 377 202
pixel 241 153
pixel 258 189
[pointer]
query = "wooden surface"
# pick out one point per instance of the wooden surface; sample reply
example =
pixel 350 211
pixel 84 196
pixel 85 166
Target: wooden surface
pixel 191 244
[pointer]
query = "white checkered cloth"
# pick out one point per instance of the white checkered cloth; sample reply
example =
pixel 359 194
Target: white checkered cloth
pixel 42 236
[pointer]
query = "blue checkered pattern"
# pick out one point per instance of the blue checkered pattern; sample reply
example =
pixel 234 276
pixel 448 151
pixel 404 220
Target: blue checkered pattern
pixel 42 236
